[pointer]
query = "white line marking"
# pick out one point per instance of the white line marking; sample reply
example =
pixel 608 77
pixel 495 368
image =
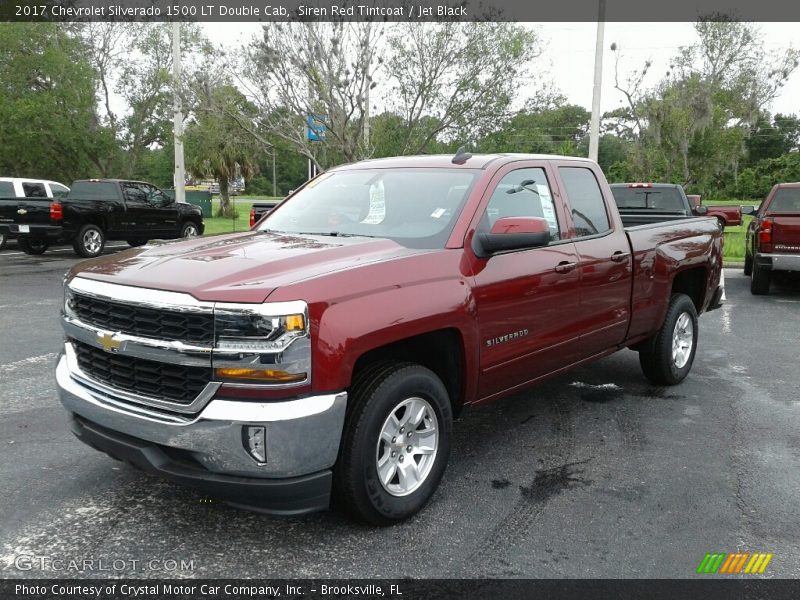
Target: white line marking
pixel 25 362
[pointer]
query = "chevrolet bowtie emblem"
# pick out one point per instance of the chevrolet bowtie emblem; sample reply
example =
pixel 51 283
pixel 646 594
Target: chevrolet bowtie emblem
pixel 22 211
pixel 108 342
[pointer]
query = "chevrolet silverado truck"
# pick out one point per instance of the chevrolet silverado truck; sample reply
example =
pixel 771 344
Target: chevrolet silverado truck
pixel 322 355
pixel 96 210
pixel 772 241
pixel 727 215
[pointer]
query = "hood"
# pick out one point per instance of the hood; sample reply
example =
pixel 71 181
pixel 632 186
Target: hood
pixel 243 267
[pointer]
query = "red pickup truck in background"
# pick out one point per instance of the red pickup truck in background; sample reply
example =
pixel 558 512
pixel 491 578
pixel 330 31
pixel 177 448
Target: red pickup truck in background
pixel 325 353
pixel 728 216
pixel 772 242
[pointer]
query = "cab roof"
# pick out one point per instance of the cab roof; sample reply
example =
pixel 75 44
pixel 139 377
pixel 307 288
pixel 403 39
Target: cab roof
pixel 445 161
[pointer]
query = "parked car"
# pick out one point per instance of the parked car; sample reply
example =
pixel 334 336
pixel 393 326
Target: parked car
pixel 96 210
pixel 772 242
pixel 259 209
pixel 728 216
pixel 14 188
pixel 326 352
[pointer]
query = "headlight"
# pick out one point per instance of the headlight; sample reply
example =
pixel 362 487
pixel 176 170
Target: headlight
pixel 267 343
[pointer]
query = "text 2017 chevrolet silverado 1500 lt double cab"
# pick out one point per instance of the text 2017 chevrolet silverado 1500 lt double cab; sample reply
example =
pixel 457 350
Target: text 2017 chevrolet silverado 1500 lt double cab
pixel 326 351
pixel 773 237
pixel 96 210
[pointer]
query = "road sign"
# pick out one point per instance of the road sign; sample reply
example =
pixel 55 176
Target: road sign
pixel 315 127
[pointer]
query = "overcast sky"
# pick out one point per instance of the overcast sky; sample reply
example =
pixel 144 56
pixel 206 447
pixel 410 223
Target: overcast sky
pixel 568 58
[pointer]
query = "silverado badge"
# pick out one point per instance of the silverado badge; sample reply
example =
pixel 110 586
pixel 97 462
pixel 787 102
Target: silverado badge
pixel 108 342
pixel 22 211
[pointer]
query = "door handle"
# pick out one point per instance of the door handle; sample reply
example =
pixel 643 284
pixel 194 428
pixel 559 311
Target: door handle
pixel 565 266
pixel 620 256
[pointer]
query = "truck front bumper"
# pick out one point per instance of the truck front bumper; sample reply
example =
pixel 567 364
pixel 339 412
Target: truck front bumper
pixel 208 450
pixel 778 262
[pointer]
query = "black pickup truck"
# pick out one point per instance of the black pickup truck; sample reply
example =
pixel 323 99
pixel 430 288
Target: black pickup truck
pixel 647 203
pixel 96 210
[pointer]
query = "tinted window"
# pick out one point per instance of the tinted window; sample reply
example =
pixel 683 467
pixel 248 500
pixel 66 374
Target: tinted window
pixel 34 190
pixel 522 193
pixel 414 207
pixel 134 193
pixel 785 200
pixel 7 189
pixel 654 198
pixel 94 190
pixel 59 191
pixel 586 201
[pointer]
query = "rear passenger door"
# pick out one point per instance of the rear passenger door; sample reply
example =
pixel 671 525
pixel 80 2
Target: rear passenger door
pixel 137 209
pixel 163 212
pixel 604 256
pixel 527 300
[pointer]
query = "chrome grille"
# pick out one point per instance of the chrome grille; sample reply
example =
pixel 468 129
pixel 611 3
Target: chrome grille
pixel 188 327
pixel 177 383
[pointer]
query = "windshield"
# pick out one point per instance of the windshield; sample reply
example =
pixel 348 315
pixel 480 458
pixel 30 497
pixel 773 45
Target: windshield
pixel 656 198
pixel 414 207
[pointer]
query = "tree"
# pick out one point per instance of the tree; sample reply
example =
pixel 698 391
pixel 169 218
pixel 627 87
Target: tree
pixel 771 138
pixel 455 80
pixel 217 147
pixel 48 124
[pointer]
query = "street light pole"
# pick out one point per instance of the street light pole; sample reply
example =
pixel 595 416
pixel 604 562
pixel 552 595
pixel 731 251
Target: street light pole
pixel 180 169
pixel 594 125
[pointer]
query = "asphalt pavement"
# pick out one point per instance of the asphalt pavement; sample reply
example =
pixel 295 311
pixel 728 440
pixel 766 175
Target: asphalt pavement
pixel 593 474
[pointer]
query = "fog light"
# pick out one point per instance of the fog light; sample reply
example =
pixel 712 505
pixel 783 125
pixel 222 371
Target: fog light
pixel 255 442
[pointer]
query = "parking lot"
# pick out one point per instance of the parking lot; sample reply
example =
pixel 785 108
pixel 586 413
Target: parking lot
pixel 593 474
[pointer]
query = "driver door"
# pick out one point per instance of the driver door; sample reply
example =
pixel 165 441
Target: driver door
pixel 163 212
pixel 527 300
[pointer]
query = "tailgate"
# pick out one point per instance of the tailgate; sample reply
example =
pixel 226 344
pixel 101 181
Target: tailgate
pixel 24 211
pixel 785 232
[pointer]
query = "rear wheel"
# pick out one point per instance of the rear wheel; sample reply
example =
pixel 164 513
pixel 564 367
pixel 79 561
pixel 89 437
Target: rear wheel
pixel 748 265
pixel 759 280
pixel 3 239
pixel 34 247
pixel 668 359
pixel 89 241
pixel 395 444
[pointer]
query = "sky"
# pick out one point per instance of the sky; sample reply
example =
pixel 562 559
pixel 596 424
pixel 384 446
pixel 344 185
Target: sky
pixel 568 55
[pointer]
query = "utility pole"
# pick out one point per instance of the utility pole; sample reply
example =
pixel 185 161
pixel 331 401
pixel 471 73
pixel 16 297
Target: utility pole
pixel 180 169
pixel 274 181
pixel 594 125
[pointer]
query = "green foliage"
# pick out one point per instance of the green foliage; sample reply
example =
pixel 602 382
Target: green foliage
pixel 557 130
pixel 48 125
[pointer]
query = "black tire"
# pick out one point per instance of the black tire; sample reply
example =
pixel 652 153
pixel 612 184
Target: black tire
pixel 721 221
pixel 657 360
pixel 3 239
pixel 378 392
pixel 748 265
pixel 190 230
pixel 760 279
pixel 33 247
pixel 89 242
pixel 135 243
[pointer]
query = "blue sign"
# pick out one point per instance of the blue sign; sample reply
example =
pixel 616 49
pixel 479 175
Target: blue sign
pixel 315 127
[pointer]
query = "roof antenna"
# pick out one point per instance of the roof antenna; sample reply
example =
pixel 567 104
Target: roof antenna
pixel 461 156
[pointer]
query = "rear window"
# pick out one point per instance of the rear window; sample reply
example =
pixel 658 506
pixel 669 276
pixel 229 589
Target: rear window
pixel 7 189
pixel 785 200
pixel 653 198
pixel 34 190
pixel 94 190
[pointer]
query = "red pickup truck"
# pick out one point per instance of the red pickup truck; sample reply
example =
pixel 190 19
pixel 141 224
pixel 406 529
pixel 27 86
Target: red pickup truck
pixel 773 237
pixel 727 215
pixel 325 352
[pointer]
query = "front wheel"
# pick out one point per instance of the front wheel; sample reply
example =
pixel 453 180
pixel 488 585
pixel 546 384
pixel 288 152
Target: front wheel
pixel 89 242
pixel 34 247
pixel 189 230
pixel 395 444
pixel 668 359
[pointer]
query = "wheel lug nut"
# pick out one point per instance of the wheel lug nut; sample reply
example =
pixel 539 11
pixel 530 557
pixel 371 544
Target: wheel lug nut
pixel 402 429
pixel 409 434
pixel 409 448
pixel 401 458
pixel 394 454
pixel 394 439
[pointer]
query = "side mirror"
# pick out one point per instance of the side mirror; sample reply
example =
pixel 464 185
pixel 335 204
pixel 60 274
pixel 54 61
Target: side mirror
pixel 512 233
pixel 748 209
pixel 701 210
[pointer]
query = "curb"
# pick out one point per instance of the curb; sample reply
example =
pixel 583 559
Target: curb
pixel 732 265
